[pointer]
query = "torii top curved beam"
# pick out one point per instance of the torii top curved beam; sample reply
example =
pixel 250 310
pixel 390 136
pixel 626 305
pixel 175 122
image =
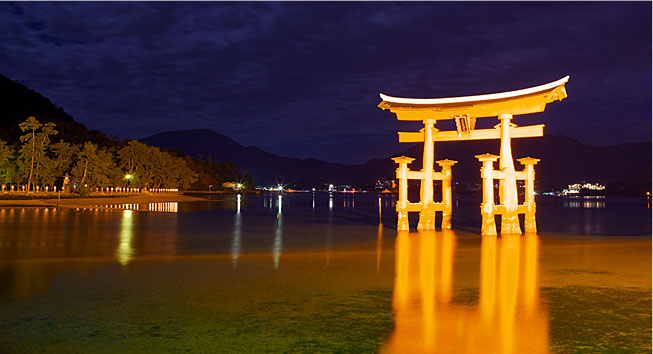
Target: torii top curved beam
pixel 525 101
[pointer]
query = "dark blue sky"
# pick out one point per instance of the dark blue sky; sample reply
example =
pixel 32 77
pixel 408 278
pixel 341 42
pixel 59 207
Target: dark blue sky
pixel 302 79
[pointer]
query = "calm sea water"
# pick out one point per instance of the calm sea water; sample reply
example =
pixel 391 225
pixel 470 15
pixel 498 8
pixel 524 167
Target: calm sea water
pixel 322 273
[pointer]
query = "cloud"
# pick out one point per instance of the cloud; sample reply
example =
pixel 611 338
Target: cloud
pixel 285 75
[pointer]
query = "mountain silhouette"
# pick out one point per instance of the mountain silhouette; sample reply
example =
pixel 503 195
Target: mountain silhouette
pixel 20 102
pixel 266 168
pixel 563 160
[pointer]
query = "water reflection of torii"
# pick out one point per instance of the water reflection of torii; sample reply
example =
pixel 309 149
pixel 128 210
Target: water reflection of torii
pixel 508 318
pixel 465 111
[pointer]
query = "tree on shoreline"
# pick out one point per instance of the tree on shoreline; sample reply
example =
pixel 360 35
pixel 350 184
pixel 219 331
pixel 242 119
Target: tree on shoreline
pixel 38 162
pixel 94 167
pixel 6 170
pixel 150 167
pixel 35 143
pixel 63 155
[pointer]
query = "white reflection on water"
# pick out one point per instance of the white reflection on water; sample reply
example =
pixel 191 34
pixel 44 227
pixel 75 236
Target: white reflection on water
pixel 329 231
pixel 125 250
pixel 508 317
pixel 235 242
pixel 278 233
pixel 171 207
pixel 588 202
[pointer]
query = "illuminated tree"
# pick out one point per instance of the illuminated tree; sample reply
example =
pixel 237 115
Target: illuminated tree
pixel 136 159
pixel 6 167
pixel 61 162
pixel 35 143
pixel 171 172
pixel 94 167
pixel 150 167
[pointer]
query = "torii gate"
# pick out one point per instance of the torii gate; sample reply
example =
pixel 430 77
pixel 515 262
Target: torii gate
pixel 465 111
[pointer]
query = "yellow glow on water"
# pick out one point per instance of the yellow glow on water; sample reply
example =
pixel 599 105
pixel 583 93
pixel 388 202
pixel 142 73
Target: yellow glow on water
pixel 507 317
pixel 379 247
pixel 427 277
pixel 236 240
pixel 402 261
pixel 446 239
pixel 125 250
pixel 531 243
pixel 488 276
pixel 278 236
pixel 508 286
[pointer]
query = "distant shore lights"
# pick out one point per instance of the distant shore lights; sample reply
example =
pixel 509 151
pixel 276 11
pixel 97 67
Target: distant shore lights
pixel 576 188
pixel 465 111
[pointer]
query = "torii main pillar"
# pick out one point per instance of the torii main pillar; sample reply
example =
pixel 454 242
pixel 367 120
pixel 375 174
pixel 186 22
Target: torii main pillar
pixel 427 214
pixel 508 184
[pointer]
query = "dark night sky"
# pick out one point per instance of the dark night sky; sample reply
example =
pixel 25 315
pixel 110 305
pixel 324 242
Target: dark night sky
pixel 302 79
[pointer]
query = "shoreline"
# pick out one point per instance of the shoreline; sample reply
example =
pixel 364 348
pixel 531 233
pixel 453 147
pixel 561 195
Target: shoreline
pixel 87 202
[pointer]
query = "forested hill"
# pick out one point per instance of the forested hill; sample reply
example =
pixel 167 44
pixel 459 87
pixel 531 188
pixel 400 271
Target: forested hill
pixel 52 159
pixel 17 102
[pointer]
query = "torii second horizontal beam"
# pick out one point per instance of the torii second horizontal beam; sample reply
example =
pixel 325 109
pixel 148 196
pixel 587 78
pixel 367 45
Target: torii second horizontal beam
pixel 477 134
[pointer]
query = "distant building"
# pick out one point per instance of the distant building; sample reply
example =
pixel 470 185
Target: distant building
pixel 584 189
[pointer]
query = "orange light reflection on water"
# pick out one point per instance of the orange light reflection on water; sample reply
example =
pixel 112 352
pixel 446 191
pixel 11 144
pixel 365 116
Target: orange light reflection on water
pixel 507 318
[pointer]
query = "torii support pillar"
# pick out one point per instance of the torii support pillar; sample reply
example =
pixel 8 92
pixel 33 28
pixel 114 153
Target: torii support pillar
pixel 425 209
pixel 402 203
pixel 489 209
pixel 446 192
pixel 488 226
pixel 529 195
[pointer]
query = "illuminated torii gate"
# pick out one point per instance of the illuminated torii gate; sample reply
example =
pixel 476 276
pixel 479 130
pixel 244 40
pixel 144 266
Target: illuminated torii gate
pixel 465 111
